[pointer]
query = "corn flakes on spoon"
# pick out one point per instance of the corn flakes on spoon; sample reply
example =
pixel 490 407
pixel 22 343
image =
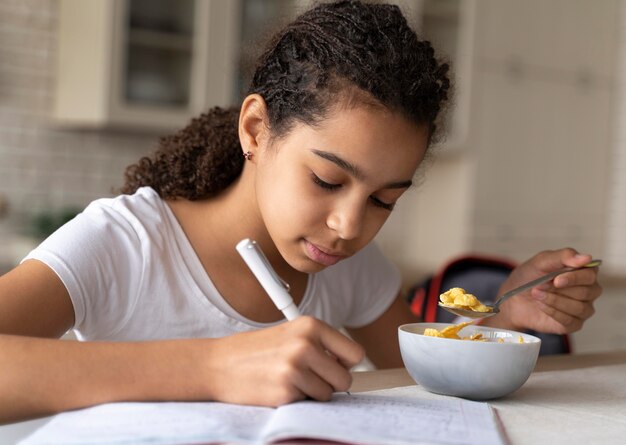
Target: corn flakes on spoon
pixel 467 305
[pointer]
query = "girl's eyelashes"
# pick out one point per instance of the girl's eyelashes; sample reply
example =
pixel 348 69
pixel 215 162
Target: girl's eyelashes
pixel 328 186
pixel 384 205
pixel 324 184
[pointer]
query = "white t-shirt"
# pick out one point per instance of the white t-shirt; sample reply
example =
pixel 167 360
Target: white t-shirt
pixel 132 275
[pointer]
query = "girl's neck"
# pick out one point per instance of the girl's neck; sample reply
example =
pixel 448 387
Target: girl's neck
pixel 214 226
pixel 233 215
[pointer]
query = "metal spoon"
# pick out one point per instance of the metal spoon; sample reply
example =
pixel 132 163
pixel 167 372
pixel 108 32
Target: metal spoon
pixel 495 308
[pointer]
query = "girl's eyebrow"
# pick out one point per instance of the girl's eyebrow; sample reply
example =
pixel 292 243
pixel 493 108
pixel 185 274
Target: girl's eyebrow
pixel 340 162
pixel 355 171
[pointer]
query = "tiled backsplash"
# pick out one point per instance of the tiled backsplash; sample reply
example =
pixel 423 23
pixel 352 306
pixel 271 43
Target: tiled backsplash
pixel 43 167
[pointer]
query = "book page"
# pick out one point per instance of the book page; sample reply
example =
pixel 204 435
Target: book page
pixel 154 423
pixel 396 416
pixel 374 419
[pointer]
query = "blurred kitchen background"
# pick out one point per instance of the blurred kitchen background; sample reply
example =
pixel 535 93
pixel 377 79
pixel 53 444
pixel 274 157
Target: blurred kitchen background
pixel 535 156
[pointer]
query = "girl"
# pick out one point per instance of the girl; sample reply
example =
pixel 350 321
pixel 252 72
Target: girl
pixel 341 111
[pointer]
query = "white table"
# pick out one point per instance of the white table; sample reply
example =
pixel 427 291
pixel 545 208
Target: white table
pixel 569 399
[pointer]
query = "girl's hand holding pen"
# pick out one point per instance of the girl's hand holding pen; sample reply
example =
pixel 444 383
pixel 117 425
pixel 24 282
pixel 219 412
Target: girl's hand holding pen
pixel 303 358
pixel 292 361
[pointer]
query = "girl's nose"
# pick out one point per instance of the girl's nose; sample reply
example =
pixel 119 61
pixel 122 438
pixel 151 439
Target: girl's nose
pixel 347 220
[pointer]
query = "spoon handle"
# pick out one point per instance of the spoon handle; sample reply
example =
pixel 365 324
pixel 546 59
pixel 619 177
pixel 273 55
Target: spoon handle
pixel 542 279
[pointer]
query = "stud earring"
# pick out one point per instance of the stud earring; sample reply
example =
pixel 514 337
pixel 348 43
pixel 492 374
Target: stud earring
pixel 248 155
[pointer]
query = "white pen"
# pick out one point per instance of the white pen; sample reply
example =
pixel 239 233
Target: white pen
pixel 275 287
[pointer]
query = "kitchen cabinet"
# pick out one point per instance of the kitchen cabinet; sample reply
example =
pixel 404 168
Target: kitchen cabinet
pixel 154 64
pixel 143 64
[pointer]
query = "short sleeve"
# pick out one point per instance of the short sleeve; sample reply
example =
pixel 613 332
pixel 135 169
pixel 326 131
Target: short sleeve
pixel 375 285
pixel 93 255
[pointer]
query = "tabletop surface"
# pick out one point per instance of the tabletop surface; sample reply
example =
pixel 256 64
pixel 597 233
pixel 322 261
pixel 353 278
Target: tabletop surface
pixel 569 399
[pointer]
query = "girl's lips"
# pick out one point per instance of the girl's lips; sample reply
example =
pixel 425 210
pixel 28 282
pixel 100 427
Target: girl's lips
pixel 321 257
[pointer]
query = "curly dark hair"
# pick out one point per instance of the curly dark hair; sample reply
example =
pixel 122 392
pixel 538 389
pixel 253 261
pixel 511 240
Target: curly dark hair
pixel 332 48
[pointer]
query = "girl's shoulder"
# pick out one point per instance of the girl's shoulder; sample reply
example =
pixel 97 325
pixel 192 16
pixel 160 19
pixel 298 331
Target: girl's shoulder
pixel 143 206
pixel 143 198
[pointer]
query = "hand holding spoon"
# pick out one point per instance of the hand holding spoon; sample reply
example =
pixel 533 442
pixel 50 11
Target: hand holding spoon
pixel 495 308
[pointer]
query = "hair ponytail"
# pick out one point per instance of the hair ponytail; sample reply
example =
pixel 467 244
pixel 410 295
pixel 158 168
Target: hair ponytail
pixel 196 162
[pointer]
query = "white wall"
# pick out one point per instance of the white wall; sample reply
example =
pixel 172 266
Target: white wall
pixel 615 241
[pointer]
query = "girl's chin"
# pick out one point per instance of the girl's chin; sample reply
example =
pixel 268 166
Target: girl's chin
pixel 302 263
pixel 305 265
pixel 301 259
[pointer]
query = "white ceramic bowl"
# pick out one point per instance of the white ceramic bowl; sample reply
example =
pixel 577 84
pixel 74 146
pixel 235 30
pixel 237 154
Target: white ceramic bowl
pixel 469 369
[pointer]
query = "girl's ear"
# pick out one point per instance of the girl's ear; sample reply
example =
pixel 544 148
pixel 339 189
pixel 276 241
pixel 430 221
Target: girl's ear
pixel 253 124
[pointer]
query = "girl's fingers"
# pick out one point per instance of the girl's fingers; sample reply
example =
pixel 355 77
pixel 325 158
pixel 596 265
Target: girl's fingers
pixel 347 351
pixel 550 260
pixel 554 303
pixel 318 350
pixel 309 358
pixel 332 372
pixel 567 300
pixel 314 386
pixel 580 293
pixel 582 277
pixel 570 323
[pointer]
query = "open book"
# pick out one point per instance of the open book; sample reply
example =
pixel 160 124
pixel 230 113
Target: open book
pixel 397 416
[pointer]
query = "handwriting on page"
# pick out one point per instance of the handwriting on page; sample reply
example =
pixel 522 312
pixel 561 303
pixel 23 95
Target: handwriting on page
pixel 369 418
